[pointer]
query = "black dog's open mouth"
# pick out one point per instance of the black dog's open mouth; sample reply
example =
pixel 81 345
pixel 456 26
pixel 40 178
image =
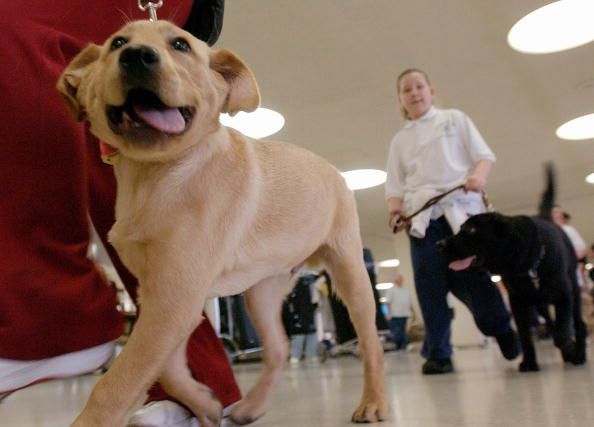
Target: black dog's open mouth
pixel 143 110
pixel 465 263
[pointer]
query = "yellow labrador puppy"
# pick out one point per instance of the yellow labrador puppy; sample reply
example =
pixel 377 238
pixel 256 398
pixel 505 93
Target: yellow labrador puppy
pixel 204 211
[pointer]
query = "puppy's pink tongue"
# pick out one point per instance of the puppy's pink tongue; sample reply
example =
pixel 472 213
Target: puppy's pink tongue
pixel 462 264
pixel 168 121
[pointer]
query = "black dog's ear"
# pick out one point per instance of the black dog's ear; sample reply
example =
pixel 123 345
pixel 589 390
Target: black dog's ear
pixel 70 79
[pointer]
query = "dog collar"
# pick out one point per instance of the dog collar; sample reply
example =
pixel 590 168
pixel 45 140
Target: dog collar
pixel 533 272
pixel 109 154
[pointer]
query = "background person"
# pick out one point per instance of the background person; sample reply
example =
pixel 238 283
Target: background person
pixel 400 309
pixel 437 150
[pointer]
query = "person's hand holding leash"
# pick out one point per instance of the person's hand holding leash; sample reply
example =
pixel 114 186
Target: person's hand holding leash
pixel 477 180
pixel 475 183
pixel 396 222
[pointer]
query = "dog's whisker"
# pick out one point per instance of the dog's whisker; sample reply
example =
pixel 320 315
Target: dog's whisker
pixel 125 17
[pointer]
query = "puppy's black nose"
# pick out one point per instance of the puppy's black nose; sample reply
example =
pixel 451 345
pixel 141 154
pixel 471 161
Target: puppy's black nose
pixel 138 61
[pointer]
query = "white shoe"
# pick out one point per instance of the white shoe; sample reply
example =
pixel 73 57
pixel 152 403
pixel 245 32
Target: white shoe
pixel 17 374
pixel 312 360
pixel 294 361
pixel 165 413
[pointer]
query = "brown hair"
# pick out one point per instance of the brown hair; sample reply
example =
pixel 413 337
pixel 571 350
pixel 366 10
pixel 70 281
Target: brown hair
pixel 399 80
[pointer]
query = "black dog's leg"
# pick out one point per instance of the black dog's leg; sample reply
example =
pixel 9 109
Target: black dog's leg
pixel 562 334
pixel 581 331
pixel 522 315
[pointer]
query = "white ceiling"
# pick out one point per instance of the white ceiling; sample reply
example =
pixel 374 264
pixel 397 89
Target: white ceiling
pixel 329 66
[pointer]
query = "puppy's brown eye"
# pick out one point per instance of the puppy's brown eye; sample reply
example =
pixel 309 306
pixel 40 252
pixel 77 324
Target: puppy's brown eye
pixel 181 44
pixel 117 43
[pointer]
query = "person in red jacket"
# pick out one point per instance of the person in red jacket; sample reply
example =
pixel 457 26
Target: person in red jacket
pixel 58 317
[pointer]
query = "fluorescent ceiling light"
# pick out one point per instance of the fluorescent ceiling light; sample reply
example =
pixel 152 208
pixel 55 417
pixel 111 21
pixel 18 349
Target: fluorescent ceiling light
pixel 384 286
pixel 257 124
pixel 590 178
pixel 576 129
pixel 557 26
pixel 389 263
pixel 495 278
pixel 364 178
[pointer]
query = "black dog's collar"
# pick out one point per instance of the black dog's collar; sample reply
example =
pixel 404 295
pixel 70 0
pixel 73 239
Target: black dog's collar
pixel 533 271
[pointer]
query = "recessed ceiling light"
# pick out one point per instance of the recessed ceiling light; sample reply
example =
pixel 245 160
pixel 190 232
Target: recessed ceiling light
pixel 557 26
pixel 576 129
pixel 384 286
pixel 258 124
pixel 590 178
pixel 364 178
pixel 389 263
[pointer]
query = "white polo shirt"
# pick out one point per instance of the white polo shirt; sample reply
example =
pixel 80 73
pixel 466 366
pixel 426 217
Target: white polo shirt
pixel 436 152
pixel 398 300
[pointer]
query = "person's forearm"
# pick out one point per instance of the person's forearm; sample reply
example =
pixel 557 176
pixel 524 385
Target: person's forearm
pixel 483 168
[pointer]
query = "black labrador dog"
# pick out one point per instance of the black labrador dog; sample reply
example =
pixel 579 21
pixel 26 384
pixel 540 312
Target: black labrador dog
pixel 538 266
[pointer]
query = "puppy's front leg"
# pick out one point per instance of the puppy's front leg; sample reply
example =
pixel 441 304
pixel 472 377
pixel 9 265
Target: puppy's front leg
pixel 176 379
pixel 264 301
pixel 172 298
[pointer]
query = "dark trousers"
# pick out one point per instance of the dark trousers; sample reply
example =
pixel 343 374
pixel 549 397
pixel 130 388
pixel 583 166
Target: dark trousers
pixel 433 281
pixel 398 331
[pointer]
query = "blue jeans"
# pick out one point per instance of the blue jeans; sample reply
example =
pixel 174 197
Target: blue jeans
pixel 398 331
pixel 304 345
pixel 433 281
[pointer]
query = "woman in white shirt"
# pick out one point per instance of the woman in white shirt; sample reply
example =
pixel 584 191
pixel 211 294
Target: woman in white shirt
pixel 435 151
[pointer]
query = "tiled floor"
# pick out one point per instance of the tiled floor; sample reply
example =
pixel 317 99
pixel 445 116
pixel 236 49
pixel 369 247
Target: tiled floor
pixel 486 391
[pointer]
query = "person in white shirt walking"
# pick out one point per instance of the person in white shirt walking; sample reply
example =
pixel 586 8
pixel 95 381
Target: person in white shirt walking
pixel 435 151
pixel 400 309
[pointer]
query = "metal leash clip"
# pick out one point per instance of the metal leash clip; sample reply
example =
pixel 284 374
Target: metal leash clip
pixel 151 6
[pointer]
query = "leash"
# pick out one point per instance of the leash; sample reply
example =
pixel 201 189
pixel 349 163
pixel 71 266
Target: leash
pixel 432 201
pixel 151 6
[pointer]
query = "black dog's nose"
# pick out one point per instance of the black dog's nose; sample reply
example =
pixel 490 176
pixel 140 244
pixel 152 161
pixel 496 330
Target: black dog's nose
pixel 137 61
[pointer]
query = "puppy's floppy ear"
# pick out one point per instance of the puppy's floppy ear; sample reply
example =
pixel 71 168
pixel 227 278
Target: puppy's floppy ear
pixel 243 94
pixel 70 79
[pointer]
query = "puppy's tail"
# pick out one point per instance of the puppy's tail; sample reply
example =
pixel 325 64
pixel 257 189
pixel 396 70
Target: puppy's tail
pixel 547 201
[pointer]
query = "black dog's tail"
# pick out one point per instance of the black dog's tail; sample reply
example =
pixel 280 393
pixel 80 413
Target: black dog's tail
pixel 547 201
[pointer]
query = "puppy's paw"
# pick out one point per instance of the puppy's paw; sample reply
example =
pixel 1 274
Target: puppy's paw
pixel 370 412
pixel 248 410
pixel 206 407
pixel 529 366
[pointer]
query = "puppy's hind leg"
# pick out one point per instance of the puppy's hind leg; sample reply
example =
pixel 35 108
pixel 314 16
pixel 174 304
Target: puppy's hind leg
pixel 264 302
pixel 351 282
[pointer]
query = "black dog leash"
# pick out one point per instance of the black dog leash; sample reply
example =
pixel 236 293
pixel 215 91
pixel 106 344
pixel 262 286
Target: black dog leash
pixel 432 201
